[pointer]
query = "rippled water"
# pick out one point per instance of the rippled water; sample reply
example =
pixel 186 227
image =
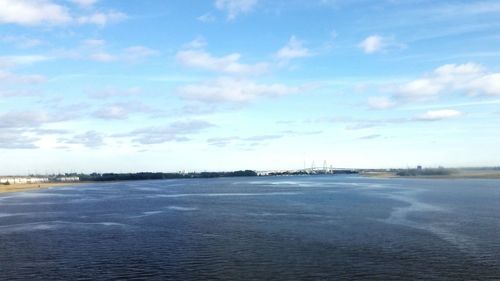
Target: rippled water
pixel 266 228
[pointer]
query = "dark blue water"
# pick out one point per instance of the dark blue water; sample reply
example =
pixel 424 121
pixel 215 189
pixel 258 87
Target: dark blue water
pixel 265 228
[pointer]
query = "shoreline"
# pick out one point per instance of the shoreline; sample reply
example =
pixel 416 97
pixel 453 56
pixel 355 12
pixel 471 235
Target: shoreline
pixel 464 175
pixel 380 175
pixel 33 186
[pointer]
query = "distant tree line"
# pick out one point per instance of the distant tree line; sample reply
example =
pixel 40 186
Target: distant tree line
pixel 159 176
pixel 425 172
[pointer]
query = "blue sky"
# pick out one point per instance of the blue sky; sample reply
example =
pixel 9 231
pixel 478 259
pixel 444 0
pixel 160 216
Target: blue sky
pixel 152 85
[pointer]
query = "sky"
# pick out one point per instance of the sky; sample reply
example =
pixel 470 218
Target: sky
pixel 212 85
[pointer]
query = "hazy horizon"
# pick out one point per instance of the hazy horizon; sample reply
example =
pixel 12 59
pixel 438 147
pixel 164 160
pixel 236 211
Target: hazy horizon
pixel 90 171
pixel 129 86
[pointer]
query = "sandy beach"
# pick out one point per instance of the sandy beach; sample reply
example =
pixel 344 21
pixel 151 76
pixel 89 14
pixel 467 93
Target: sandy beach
pixel 31 186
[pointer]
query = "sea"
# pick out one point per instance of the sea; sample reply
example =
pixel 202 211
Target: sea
pixel 331 227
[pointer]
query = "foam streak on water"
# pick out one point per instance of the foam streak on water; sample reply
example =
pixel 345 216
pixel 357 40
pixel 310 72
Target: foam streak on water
pixel 400 215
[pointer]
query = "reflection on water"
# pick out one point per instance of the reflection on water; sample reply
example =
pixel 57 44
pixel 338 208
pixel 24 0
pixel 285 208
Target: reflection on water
pixel 272 228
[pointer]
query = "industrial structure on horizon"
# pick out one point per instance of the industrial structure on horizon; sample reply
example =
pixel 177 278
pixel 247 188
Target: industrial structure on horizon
pixel 313 170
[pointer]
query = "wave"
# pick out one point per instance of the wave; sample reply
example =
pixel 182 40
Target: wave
pixel 54 225
pixel 179 208
pixel 221 194
pixel 35 195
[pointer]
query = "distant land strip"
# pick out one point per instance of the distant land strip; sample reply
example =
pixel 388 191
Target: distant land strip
pixel 24 183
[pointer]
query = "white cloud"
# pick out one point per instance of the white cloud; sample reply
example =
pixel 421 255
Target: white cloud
pixel 33 12
pixel 96 50
pixel 15 139
pixel 488 84
pixel 226 64
pixel 12 61
pixel 448 70
pixel 254 140
pixel 436 115
pixel 90 139
pixel 197 43
pixel 208 17
pixel 243 141
pixel 120 110
pixel 23 42
pixel 420 89
pixel 234 90
pixel 14 84
pixel 25 119
pixel 94 43
pixel 469 78
pixel 371 44
pixel 380 103
pixel 234 8
pixel 85 3
pixel 111 92
pixel 334 34
pixel 293 49
pixel 18 93
pixel 112 112
pixel 48 12
pixel 100 18
pixel 466 79
pixel 376 43
pixel 102 57
pixel 370 137
pixel 177 131
pixel 137 53
pixel 464 9
pixel 9 77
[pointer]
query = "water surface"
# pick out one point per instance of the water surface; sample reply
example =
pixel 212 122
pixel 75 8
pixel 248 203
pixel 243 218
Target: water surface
pixel 257 228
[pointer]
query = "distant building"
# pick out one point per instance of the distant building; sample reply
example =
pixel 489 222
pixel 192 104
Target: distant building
pixel 35 180
pixel 419 167
pixel 67 179
pixel 22 180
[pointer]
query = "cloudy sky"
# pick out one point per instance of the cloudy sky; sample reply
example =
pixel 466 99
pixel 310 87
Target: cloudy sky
pixel 154 85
